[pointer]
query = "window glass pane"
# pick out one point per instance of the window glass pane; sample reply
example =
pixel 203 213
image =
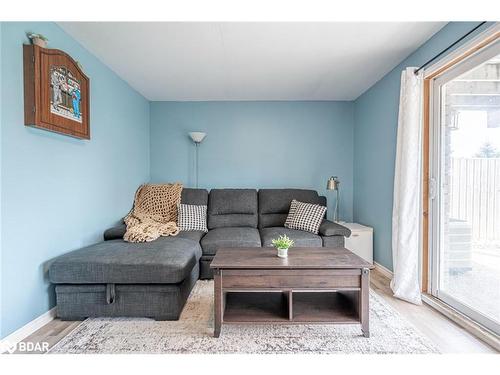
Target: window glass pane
pixel 470 189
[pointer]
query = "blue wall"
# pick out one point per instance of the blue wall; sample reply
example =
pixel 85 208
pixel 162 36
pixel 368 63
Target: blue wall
pixel 255 144
pixel 59 193
pixel 376 120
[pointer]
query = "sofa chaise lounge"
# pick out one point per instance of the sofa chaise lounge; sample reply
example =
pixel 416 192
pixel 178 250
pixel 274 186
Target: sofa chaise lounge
pixel 154 279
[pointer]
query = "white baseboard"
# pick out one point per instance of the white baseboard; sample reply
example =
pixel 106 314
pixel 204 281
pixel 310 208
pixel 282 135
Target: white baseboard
pixel 384 271
pixel 29 328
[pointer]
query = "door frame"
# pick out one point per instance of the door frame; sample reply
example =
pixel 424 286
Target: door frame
pixel 484 39
pixel 433 77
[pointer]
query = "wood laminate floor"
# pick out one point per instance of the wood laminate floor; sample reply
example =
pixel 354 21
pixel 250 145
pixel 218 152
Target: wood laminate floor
pixel 445 334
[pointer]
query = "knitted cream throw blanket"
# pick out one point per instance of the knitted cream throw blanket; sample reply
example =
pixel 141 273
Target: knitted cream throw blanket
pixel 154 213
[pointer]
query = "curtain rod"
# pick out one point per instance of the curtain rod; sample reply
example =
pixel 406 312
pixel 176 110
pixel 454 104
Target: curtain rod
pixel 449 47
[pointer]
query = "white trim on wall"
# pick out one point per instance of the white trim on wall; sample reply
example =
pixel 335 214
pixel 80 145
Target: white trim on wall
pixel 384 271
pixel 27 329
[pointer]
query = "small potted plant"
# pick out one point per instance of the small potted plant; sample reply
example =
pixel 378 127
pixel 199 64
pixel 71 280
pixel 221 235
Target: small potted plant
pixel 38 40
pixel 282 243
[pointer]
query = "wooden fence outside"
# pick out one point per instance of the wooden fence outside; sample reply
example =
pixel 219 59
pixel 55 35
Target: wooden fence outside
pixel 475 196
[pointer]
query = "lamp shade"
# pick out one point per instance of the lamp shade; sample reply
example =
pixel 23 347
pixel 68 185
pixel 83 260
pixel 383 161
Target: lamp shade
pixel 333 183
pixel 197 137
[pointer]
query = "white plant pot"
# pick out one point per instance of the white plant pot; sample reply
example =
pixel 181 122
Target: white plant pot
pixel 283 253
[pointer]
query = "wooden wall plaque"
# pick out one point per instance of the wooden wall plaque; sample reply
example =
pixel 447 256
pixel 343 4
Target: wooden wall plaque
pixel 56 92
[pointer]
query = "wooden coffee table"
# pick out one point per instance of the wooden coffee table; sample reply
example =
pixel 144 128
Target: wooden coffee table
pixel 312 285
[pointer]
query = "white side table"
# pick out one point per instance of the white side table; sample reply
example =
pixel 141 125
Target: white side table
pixel 361 240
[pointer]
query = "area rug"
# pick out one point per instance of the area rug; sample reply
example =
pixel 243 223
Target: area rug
pixel 192 333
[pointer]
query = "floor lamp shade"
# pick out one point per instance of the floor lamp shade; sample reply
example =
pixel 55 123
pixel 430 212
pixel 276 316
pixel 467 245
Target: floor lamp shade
pixel 197 138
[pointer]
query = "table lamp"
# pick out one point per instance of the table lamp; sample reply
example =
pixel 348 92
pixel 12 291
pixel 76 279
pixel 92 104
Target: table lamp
pixel 334 184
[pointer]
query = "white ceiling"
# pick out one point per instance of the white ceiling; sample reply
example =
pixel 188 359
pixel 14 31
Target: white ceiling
pixel 251 61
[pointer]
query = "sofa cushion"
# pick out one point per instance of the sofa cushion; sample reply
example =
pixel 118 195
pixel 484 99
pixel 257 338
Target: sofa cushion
pixel 333 241
pixel 229 237
pixel 194 235
pixel 232 208
pixel 330 228
pixel 188 196
pixel 115 233
pixel 167 260
pixel 194 196
pixel 300 238
pixel 274 204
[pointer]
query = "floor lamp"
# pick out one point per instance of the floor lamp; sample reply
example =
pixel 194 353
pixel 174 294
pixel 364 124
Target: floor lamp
pixel 197 138
pixel 334 184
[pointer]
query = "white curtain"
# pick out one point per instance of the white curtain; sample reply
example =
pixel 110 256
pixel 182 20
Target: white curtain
pixel 407 187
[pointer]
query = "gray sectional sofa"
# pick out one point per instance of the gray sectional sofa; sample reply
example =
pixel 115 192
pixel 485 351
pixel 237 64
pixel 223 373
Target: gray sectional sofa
pixel 117 278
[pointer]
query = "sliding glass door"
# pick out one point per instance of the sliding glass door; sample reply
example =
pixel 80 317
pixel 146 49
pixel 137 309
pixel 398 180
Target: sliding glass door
pixel 465 187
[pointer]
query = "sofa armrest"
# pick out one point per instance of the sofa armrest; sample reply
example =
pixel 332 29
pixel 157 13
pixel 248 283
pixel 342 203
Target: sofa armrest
pixel 329 228
pixel 115 233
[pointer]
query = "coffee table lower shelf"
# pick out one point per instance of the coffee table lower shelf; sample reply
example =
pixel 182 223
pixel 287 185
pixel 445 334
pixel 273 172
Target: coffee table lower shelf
pixel 291 306
pixel 313 285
